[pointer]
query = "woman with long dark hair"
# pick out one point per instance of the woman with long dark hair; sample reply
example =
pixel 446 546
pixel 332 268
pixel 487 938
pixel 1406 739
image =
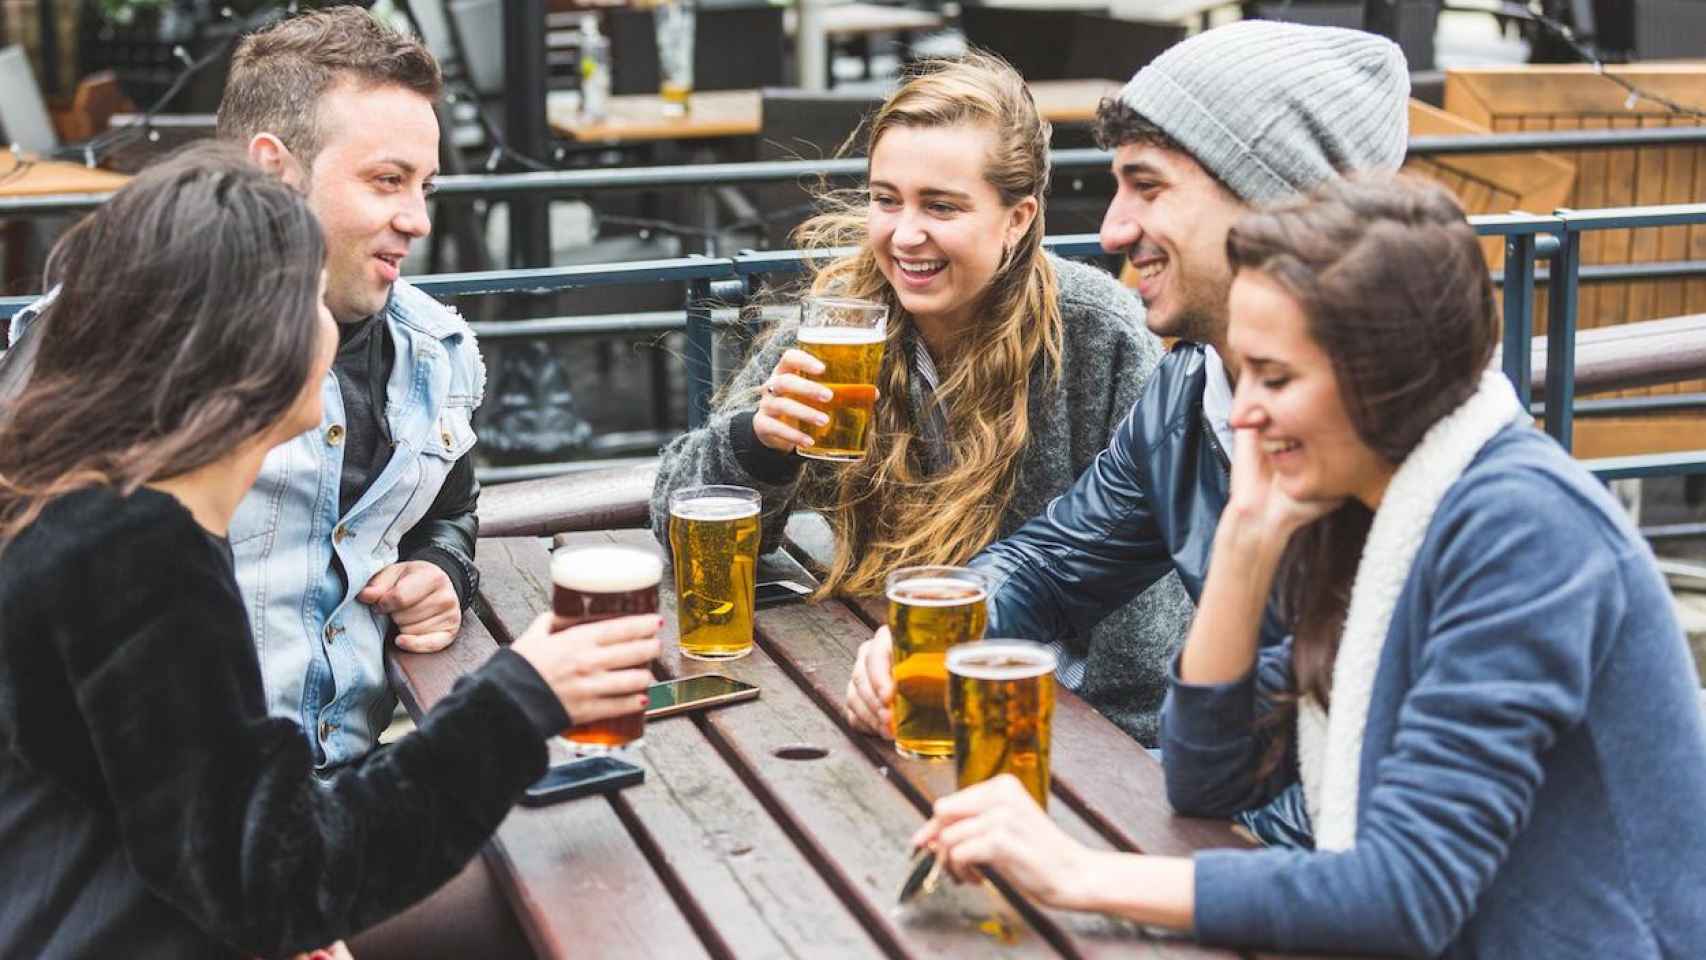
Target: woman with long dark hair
pixel 148 804
pixel 1486 697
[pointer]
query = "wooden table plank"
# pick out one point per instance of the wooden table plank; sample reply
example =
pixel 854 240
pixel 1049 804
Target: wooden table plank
pixel 921 781
pixel 754 893
pixel 849 821
pixel 816 643
pixel 577 881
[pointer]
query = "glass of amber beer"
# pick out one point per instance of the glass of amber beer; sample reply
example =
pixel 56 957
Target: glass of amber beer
pixel 601 582
pixel 847 335
pixel 1001 705
pixel 931 609
pixel 713 536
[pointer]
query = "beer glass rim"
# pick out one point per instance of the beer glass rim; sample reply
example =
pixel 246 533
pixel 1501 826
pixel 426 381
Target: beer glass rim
pixel 1048 661
pixel 561 556
pixel 718 490
pixel 855 311
pixel 936 571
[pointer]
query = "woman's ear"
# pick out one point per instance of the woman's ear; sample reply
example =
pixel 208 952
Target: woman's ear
pixel 1019 219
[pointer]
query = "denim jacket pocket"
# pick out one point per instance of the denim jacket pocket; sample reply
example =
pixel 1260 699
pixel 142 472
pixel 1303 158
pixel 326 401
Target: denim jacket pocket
pixel 455 433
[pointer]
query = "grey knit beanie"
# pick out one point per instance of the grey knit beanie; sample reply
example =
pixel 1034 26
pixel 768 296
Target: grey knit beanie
pixel 1274 109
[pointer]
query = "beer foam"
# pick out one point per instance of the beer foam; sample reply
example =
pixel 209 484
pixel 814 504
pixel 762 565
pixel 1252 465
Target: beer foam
pixel 841 335
pixel 997 660
pixel 714 508
pixel 959 592
pixel 611 569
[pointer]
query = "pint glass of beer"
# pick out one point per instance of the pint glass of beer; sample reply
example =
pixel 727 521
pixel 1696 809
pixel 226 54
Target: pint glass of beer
pixel 931 609
pixel 847 335
pixel 713 536
pixel 1001 703
pixel 601 582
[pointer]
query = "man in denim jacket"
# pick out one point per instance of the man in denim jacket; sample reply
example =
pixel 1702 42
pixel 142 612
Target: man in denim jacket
pixel 367 523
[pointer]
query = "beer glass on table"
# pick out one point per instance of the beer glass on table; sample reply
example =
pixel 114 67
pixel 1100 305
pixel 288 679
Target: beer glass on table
pixel 846 334
pixel 601 582
pixel 931 610
pixel 713 536
pixel 1001 706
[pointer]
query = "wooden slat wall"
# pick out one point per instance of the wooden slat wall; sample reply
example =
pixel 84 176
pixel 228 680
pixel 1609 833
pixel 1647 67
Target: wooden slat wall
pixel 1571 97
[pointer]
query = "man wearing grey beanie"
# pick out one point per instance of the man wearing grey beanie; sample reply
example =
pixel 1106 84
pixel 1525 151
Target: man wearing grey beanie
pixel 1243 115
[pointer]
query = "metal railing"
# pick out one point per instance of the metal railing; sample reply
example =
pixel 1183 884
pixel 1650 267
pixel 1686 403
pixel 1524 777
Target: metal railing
pixel 711 175
pixel 1529 238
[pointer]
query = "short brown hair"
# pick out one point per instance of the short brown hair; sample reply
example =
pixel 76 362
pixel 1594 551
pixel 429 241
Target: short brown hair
pixel 279 74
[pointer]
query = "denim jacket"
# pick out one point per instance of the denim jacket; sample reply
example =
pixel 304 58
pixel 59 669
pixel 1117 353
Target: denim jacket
pixel 321 650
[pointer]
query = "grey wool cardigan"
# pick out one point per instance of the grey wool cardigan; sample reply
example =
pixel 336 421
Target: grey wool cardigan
pixel 1106 355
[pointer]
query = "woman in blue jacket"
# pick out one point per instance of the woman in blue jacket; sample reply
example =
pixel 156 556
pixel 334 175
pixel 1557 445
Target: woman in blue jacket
pixel 1486 695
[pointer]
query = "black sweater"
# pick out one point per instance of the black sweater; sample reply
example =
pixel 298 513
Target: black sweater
pixel 150 807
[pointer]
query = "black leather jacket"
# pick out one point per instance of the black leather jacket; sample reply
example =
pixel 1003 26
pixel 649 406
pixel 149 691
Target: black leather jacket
pixel 1148 504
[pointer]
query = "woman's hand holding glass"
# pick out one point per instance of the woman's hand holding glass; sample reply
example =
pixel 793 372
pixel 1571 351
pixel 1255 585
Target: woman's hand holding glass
pixel 784 405
pixel 997 825
pixel 597 670
pixel 870 692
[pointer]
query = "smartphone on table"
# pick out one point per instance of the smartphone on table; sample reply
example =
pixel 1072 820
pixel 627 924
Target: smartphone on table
pixel 694 693
pixel 578 778
pixel 774 593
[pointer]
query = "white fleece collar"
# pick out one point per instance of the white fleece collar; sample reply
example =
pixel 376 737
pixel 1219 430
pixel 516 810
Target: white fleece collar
pixel 1329 746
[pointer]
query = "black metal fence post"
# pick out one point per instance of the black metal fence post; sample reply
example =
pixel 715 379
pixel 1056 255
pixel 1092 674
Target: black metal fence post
pixel 525 130
pixel 1519 313
pixel 1561 303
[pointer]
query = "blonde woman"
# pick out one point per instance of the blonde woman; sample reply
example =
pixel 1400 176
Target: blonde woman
pixel 1005 372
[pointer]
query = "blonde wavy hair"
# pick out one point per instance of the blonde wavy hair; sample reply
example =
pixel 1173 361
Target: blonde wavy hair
pixel 886 510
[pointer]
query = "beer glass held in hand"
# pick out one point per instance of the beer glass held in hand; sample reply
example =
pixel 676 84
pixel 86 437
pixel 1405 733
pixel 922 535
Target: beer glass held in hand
pixel 713 538
pixel 1001 706
pixel 847 336
pixel 601 582
pixel 931 609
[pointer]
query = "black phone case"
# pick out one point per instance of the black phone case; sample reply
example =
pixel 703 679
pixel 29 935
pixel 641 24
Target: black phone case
pixel 578 778
pixel 770 594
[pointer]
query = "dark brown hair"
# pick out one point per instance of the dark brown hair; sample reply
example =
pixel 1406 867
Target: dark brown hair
pixel 1118 124
pixel 184 326
pixel 279 74
pixel 1397 293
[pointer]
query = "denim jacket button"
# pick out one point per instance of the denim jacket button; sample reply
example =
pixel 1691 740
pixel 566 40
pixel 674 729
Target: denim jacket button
pixel 340 534
pixel 335 434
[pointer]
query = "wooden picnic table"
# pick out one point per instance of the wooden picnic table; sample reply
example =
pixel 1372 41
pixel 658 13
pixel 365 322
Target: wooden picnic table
pixel 713 114
pixel 768 828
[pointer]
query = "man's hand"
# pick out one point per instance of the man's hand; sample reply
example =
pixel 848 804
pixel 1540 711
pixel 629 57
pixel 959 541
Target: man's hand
pixel 421 601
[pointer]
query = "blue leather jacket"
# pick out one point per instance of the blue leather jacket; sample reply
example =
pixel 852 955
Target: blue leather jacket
pixel 1148 504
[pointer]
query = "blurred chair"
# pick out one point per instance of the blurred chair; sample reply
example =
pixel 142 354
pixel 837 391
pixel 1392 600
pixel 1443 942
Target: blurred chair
pixel 737 48
pixel 1416 21
pixel 802 125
